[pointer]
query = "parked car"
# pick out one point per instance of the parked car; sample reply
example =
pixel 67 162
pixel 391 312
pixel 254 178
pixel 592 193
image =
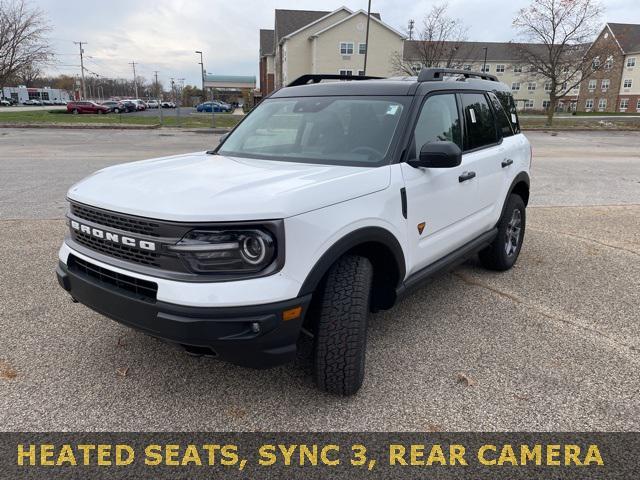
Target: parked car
pixel 86 107
pixel 209 107
pixel 153 104
pixel 12 101
pixel 48 102
pixel 129 105
pixel 116 107
pixel 59 102
pixel 140 105
pixel 5 103
pixel 32 101
pixel 331 201
pixel 167 104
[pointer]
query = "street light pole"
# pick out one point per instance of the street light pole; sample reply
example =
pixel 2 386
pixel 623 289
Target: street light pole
pixel 366 41
pixel 484 66
pixel 204 97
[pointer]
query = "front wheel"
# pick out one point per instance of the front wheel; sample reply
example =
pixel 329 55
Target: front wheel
pixel 341 328
pixel 504 250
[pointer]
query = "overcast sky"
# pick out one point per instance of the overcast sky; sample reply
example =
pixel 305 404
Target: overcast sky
pixel 163 34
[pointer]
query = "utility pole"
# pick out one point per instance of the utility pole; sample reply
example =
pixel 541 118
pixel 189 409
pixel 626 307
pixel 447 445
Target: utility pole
pixel 159 94
pixel 366 42
pixel 411 25
pixel 135 81
pixel 84 89
pixel 484 66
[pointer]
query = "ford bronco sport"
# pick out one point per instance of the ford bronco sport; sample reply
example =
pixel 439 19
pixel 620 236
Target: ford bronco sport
pixel 328 201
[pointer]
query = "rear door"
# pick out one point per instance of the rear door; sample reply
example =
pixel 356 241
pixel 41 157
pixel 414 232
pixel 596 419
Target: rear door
pixel 440 203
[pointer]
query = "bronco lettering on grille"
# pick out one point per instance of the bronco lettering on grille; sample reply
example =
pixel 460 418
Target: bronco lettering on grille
pixel 113 237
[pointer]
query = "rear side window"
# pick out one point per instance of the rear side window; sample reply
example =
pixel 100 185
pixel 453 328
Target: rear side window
pixel 481 127
pixel 502 120
pixel 509 106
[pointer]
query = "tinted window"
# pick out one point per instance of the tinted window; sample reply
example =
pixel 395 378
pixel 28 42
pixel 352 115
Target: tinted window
pixel 502 120
pixel 481 129
pixel 438 121
pixel 506 100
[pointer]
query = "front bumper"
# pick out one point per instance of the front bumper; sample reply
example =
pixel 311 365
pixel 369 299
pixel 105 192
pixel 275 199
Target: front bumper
pixel 229 333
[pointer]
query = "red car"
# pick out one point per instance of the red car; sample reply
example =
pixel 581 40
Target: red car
pixel 86 107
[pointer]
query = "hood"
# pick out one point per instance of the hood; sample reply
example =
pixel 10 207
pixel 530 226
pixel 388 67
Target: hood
pixel 200 187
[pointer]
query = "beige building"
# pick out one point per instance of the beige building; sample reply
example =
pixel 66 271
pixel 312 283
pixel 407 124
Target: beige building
pixel 304 42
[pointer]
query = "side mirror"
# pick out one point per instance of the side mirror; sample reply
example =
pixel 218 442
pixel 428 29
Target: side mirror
pixel 223 138
pixel 438 155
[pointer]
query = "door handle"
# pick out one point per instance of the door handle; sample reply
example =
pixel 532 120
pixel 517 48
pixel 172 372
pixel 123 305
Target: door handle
pixel 507 162
pixel 466 176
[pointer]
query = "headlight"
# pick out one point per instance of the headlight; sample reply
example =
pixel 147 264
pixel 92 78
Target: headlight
pixel 227 251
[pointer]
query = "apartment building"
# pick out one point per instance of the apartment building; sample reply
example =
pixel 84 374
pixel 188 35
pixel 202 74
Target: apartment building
pixel 530 89
pixel 307 41
pixel 615 85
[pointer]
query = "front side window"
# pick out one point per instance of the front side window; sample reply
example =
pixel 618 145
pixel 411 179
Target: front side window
pixel 438 121
pixel 481 127
pixel 346 48
pixel 354 131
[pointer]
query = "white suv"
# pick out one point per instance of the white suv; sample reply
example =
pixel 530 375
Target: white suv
pixel 328 201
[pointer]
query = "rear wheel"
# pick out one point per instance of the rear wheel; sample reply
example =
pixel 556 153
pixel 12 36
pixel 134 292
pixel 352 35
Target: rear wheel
pixel 504 250
pixel 341 328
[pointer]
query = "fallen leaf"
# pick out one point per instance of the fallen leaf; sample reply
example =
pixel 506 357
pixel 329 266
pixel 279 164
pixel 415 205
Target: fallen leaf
pixel 121 342
pixel 521 397
pixel 465 379
pixel 122 371
pixel 7 371
pixel 434 427
pixel 237 412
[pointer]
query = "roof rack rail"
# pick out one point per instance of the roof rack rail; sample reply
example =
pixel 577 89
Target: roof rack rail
pixel 317 78
pixel 438 74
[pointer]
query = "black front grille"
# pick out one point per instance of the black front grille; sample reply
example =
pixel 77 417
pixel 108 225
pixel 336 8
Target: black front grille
pixel 117 250
pixel 141 288
pixel 116 221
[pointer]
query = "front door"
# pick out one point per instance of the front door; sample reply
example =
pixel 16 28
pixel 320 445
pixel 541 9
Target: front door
pixel 441 202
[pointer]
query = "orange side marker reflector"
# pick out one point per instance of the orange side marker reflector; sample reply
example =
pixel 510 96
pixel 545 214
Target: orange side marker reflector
pixel 291 314
pixel 421 227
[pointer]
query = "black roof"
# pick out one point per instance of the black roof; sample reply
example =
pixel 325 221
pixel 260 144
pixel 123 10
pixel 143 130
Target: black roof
pixel 627 35
pixel 388 86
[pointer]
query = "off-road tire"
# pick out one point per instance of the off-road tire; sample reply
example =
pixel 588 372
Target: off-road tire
pixel 341 328
pixel 502 254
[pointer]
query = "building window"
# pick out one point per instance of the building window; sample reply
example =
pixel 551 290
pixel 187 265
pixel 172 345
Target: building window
pixel 515 86
pixel 529 104
pixel 346 48
pixel 361 73
pixel 485 68
pixel 546 104
pixel 604 84
pixel 467 67
pixel 595 63
pixel 638 105
pixel 362 48
pixel 627 83
pixel 624 104
pixel 592 85
pixel 517 68
pixel 589 104
pixel 631 62
pixel 608 63
pixel 500 68
pixel 531 86
pixel 602 104
pixel 345 73
pixel 547 86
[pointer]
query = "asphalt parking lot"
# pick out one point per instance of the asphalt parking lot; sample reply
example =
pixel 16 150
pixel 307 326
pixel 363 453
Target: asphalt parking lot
pixel 553 344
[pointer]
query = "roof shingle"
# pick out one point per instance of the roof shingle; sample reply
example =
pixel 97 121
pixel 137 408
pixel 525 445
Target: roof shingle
pixel 266 42
pixel 627 35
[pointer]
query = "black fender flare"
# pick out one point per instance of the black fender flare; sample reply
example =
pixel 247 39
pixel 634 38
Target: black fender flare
pixel 520 178
pixel 349 241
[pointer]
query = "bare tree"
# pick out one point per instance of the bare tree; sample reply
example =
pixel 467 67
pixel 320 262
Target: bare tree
pixel 562 30
pixel 29 75
pixel 439 43
pixel 22 38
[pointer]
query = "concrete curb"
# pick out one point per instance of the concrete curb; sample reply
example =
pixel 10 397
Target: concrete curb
pixel 86 126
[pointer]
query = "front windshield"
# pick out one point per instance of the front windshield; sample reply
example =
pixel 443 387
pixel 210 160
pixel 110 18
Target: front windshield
pixel 330 130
